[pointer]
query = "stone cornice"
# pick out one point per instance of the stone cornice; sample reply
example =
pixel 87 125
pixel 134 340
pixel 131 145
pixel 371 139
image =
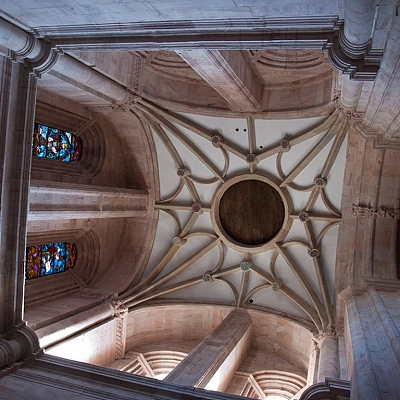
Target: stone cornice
pixel 45 62
pixel 361 63
pixel 325 32
pixel 243 25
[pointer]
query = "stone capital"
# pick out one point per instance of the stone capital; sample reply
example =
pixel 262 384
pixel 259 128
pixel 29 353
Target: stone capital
pixel 120 310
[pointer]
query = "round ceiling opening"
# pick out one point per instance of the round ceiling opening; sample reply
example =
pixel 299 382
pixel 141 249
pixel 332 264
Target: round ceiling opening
pixel 251 212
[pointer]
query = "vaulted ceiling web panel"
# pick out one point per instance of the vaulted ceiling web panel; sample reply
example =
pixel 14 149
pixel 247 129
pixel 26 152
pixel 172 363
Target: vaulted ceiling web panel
pixel 211 155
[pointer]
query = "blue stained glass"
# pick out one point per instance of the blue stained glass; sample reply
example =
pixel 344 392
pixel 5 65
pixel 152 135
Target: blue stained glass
pixel 56 144
pixel 48 259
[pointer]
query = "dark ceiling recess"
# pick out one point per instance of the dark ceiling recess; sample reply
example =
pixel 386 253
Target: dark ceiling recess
pixel 251 212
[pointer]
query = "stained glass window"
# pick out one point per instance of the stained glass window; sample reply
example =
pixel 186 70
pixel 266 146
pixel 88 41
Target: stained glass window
pixel 56 144
pixel 48 259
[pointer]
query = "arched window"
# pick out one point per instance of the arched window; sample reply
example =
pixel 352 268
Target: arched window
pixel 47 259
pixel 56 144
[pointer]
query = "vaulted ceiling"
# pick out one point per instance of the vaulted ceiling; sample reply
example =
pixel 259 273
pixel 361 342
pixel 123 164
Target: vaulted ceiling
pixel 187 137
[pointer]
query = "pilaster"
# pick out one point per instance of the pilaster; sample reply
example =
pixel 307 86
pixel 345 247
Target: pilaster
pixel 121 316
pixel 17 116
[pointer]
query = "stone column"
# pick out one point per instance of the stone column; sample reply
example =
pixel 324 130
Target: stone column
pixel 328 366
pixel 17 104
pixel 359 17
pixel 351 91
pixel 213 362
pixel 359 21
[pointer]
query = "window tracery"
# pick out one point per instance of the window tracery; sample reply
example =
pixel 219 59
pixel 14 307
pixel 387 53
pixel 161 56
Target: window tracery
pixel 56 144
pixel 48 259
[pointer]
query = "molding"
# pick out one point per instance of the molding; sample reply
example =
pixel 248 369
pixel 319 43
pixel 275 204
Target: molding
pixel 96 294
pixel 325 32
pixel 380 141
pixel 293 24
pixel 123 106
pixel 387 285
pixel 349 292
pixel 46 60
pixel 253 249
pixel 360 62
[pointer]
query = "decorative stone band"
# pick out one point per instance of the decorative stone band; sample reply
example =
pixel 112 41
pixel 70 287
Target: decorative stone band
pixel 372 212
pixel 21 345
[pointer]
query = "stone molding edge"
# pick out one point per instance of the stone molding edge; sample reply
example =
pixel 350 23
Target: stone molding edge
pixel 387 285
pixel 378 138
pixel 313 23
pixel 326 32
pixel 331 389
